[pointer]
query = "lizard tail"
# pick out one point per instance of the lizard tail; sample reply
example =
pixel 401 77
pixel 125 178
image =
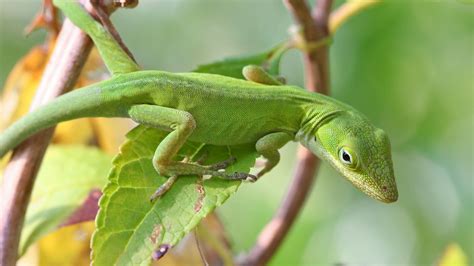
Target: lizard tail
pixel 84 102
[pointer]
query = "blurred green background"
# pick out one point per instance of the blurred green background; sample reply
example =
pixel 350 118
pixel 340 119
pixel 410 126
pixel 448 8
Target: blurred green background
pixel 408 66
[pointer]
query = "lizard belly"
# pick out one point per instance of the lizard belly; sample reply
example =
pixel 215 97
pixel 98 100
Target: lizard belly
pixel 234 126
pixel 217 131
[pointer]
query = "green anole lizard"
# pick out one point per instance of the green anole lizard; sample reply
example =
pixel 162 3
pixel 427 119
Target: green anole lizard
pixel 218 110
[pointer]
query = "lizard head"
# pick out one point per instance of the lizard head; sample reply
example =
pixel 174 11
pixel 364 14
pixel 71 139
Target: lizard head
pixel 357 150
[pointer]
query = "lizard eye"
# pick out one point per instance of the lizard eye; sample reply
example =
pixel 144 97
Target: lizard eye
pixel 345 156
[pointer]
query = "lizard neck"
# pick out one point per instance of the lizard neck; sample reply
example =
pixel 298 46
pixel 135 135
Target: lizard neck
pixel 317 113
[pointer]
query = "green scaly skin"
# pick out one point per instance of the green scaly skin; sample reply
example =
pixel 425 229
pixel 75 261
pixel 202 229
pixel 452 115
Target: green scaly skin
pixel 219 110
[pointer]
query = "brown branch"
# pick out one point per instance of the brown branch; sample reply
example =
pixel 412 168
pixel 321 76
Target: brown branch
pixel 20 173
pixel 60 75
pixel 315 28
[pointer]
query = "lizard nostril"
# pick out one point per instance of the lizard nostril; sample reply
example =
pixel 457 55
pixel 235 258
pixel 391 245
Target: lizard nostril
pixel 384 187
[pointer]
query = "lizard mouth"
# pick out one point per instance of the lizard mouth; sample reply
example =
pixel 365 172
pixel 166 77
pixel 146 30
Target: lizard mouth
pixel 381 193
pixel 388 198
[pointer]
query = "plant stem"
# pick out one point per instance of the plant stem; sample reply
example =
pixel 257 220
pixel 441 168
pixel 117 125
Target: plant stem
pixel 70 53
pixel 72 48
pixel 347 10
pixel 316 79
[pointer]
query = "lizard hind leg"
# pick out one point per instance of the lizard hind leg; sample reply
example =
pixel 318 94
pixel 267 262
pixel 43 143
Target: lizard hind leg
pixel 181 125
pixel 219 167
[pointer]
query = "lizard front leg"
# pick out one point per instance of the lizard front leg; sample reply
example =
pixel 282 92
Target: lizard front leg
pixel 181 125
pixel 268 146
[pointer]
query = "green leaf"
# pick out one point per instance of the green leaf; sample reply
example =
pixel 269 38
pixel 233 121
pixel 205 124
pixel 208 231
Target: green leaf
pixel 130 228
pixel 67 175
pixel 232 67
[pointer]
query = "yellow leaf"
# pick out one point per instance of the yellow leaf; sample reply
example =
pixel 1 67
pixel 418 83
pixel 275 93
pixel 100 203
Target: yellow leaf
pixel 453 256
pixel 20 89
pixel 21 85
pixel 67 246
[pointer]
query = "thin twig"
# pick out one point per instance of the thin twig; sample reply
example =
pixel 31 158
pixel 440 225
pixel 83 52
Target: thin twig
pixel 103 13
pixel 347 10
pixel 46 18
pixel 70 53
pixel 312 33
pixel 198 245
pixel 316 79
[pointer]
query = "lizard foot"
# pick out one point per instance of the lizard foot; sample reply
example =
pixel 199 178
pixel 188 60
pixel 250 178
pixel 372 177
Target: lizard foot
pixel 221 166
pixel 196 168
pixel 163 188
pixel 238 176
